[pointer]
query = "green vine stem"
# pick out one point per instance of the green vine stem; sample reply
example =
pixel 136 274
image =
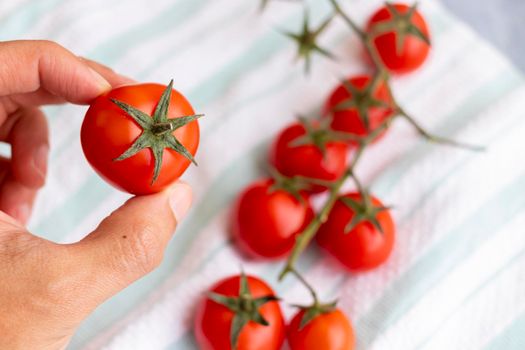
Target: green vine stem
pixel 306 236
pixel 310 312
pixel 347 19
pixel 309 232
pixel 307 285
pixel 368 41
pixel 367 38
pixel 434 138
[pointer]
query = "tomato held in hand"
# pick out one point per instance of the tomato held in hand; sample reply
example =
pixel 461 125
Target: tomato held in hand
pixel 330 330
pixel 241 311
pixel 359 105
pixel 267 219
pixel 403 40
pixel 359 232
pixel 310 150
pixel 140 138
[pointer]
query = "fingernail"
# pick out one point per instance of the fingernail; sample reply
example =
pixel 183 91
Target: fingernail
pixel 103 83
pixel 180 199
pixel 22 213
pixel 40 161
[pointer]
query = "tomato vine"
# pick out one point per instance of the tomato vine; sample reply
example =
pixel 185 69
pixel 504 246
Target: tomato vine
pixel 307 44
pixel 275 217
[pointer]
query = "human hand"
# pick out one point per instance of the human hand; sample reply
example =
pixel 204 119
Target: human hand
pixel 47 289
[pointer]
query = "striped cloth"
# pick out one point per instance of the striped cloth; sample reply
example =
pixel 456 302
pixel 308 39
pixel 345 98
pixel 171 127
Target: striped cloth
pixel 456 279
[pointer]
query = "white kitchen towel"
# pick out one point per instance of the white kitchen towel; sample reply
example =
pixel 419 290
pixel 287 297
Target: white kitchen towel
pixel 456 279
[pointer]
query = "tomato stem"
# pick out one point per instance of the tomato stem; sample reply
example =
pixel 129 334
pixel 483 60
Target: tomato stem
pixel 308 286
pixel 316 308
pixel 157 131
pixel 245 308
pixel 366 38
pixel 161 128
pixel 368 42
pixel 382 74
pixel 309 232
pixel 306 236
pixel 358 184
pixel 435 138
pixel 347 19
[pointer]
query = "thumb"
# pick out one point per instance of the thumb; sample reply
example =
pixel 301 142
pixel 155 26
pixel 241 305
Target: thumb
pixel 131 241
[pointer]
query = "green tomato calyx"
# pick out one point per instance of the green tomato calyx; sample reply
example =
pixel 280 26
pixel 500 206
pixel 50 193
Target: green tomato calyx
pixel 157 131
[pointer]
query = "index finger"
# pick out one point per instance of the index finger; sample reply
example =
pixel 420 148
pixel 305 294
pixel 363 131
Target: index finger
pixel 29 65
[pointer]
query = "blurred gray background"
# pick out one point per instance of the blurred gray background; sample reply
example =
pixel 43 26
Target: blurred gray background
pixel 502 22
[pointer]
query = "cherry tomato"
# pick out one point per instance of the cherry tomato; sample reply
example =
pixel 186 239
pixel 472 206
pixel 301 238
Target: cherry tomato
pixel 414 49
pixel 309 159
pixel 327 331
pixel 364 246
pixel 108 131
pixel 213 322
pixel 266 221
pixel 349 119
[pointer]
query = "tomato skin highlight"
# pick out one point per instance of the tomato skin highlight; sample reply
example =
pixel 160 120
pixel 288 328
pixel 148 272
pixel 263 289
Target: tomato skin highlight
pixel 364 247
pixel 212 323
pixel 328 331
pixel 107 131
pixel 308 160
pixel 349 120
pixel 266 223
pixel 414 52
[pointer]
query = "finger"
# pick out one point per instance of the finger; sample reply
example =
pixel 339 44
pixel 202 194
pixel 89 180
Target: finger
pixel 42 97
pixel 30 65
pixel 109 74
pixel 5 168
pixel 27 132
pixel 37 98
pixel 16 200
pixel 131 241
pixel 23 174
pixel 9 222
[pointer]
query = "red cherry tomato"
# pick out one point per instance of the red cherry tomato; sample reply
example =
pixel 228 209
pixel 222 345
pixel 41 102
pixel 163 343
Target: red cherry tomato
pixel 308 159
pixel 328 331
pixel 213 321
pixel 349 119
pixel 108 131
pixel 266 222
pixel 364 246
pixel 414 50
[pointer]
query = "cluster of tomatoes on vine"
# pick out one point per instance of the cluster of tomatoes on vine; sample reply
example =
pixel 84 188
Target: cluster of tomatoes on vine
pixel 141 138
pixel 274 218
